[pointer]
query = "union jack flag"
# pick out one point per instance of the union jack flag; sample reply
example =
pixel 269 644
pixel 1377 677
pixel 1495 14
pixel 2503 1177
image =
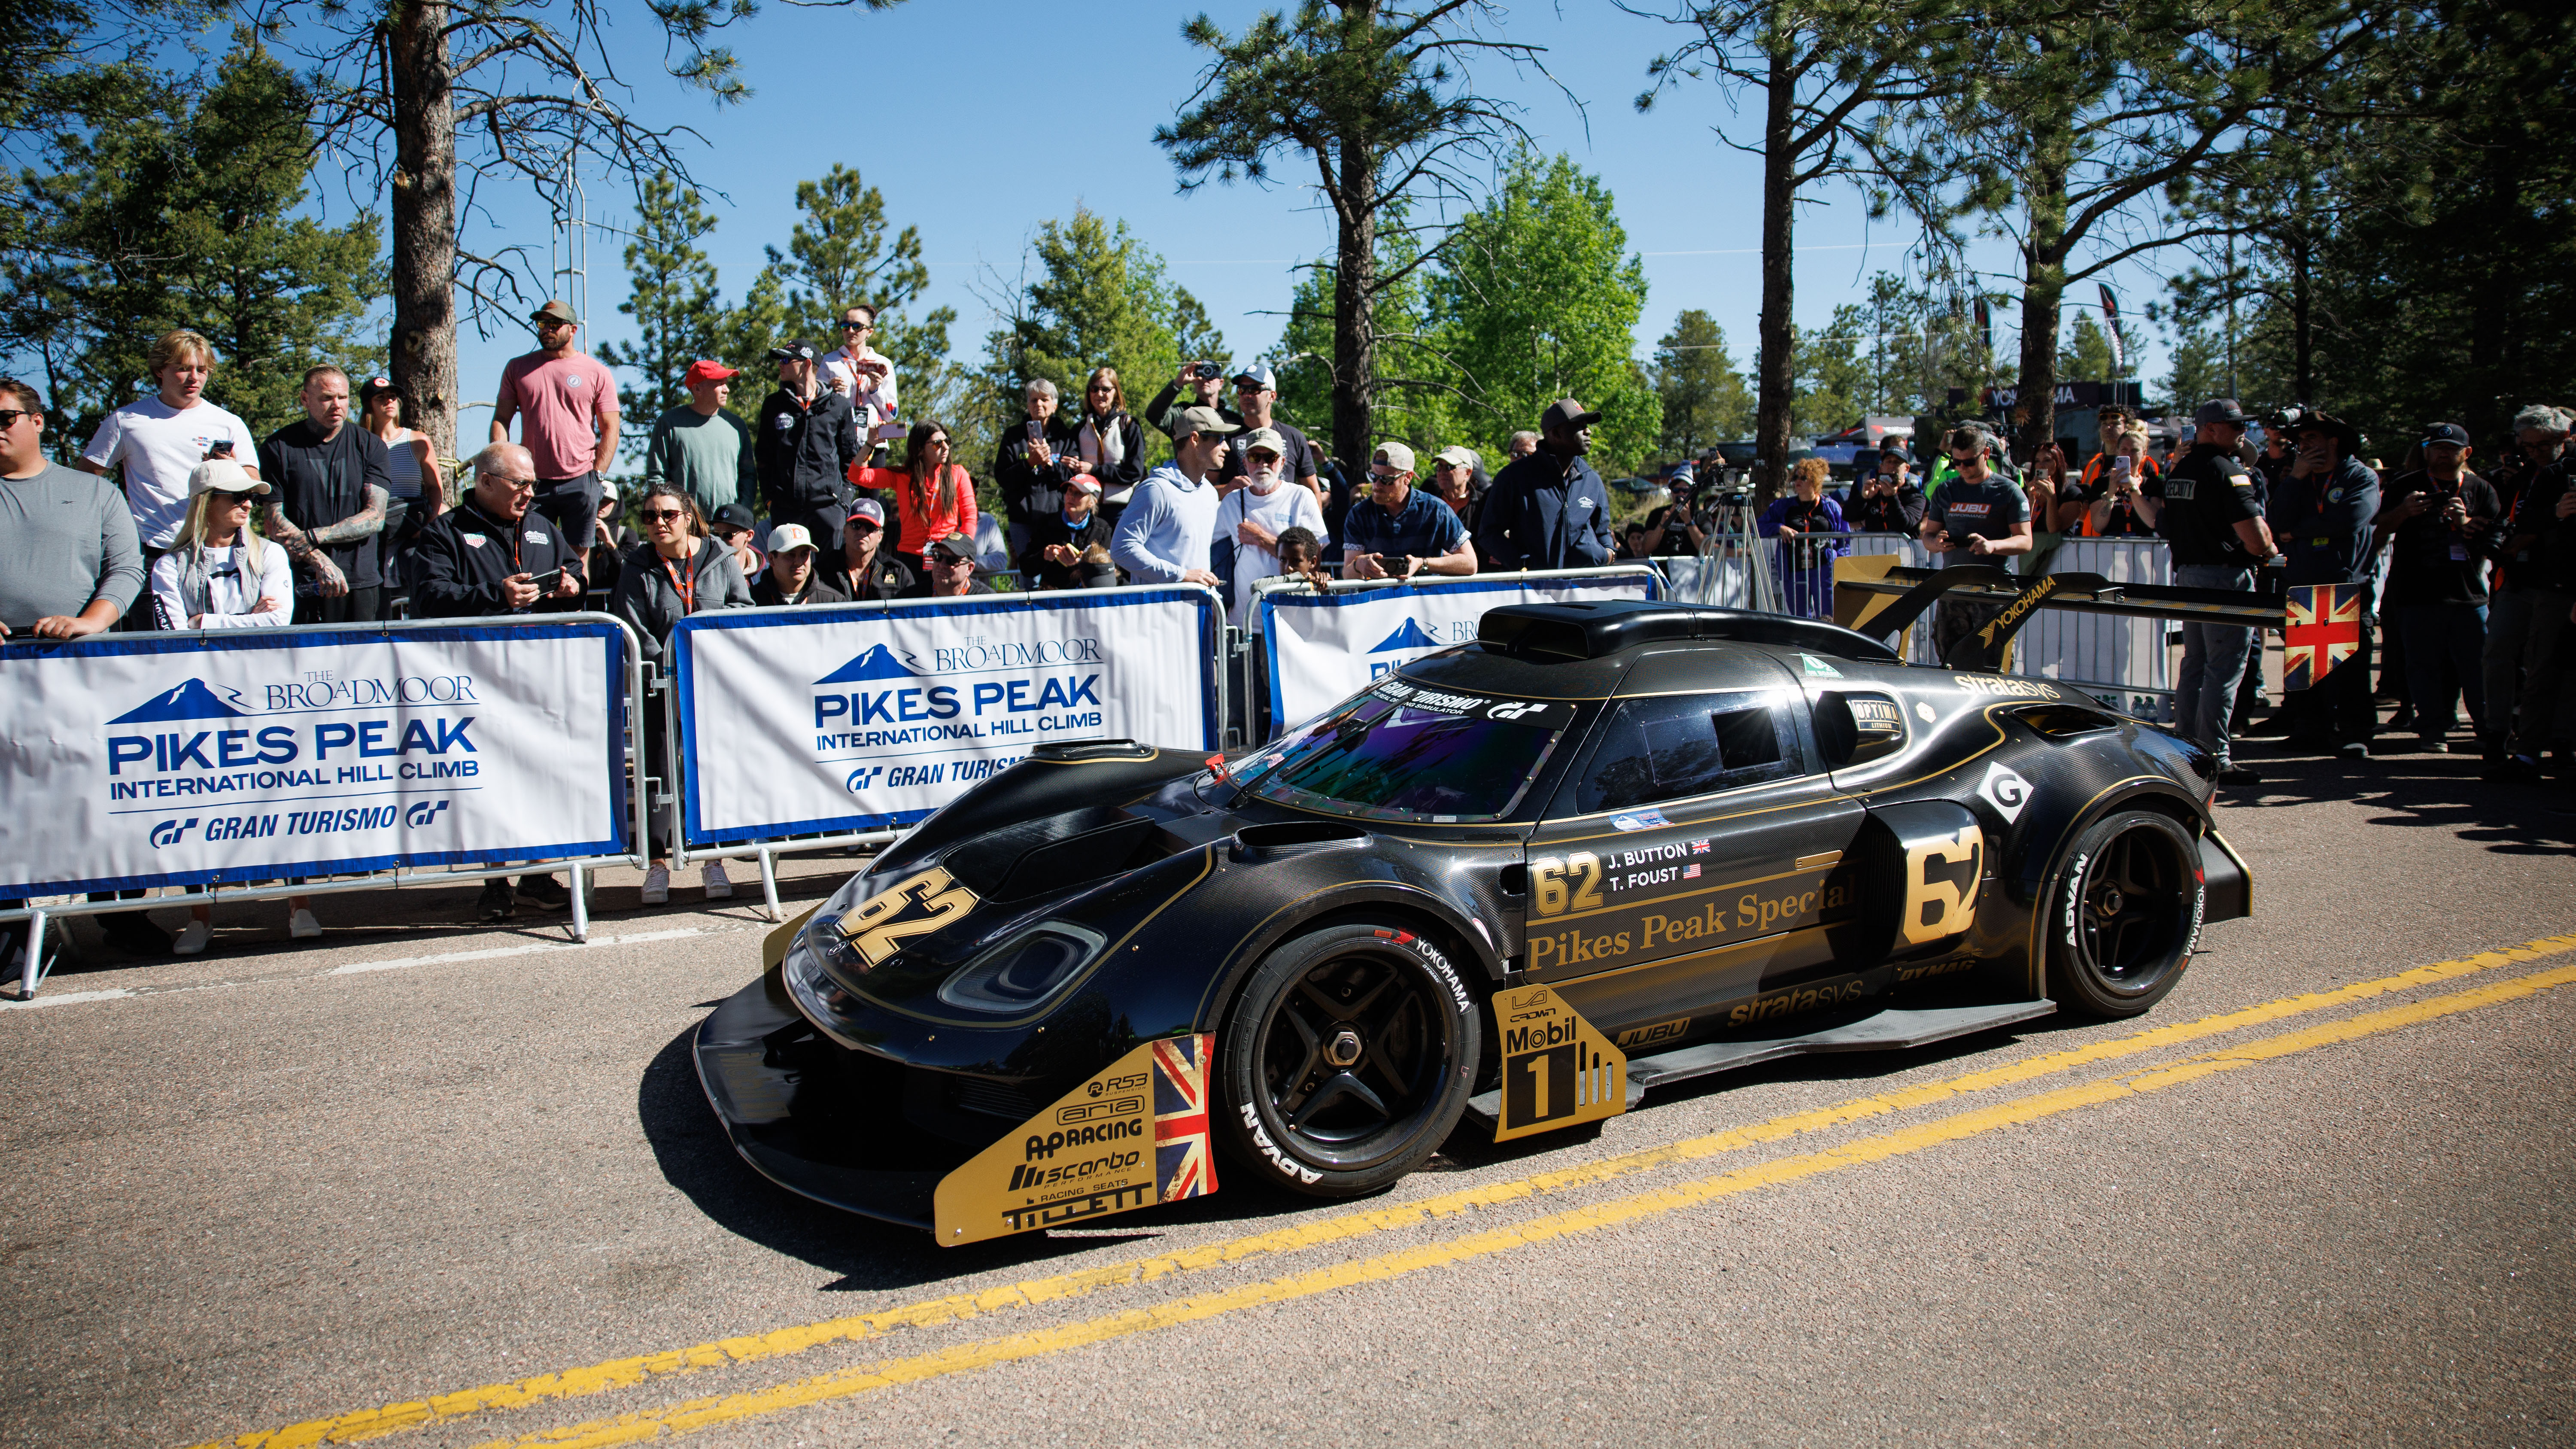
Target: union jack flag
pixel 2324 630
pixel 1183 1164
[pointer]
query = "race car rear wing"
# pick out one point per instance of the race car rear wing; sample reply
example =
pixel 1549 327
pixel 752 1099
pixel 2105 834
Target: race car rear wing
pixel 1883 602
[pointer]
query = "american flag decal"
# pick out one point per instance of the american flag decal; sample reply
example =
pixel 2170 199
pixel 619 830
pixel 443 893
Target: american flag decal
pixel 2324 630
pixel 1183 1165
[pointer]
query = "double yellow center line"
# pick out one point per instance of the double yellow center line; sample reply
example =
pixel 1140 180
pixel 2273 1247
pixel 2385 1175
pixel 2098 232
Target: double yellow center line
pixel 654 1423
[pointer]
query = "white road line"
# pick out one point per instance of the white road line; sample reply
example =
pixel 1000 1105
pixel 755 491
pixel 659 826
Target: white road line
pixel 399 963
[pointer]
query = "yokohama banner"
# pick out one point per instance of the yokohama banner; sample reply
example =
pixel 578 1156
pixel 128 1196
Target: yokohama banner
pixel 1322 648
pixel 253 755
pixel 850 717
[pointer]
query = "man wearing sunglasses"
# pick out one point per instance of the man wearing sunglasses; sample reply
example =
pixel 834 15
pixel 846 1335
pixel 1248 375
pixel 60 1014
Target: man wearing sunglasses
pixel 487 555
pixel 952 568
pixel 865 376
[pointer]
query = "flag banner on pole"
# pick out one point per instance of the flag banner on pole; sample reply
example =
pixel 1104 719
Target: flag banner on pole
pixel 850 717
pixel 2324 631
pixel 130 760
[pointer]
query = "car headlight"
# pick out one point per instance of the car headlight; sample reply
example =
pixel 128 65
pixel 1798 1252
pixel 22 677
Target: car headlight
pixel 1022 971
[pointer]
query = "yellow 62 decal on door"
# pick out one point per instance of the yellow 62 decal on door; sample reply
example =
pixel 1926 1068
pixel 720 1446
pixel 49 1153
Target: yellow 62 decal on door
pixel 915 906
pixel 1938 909
pixel 1571 884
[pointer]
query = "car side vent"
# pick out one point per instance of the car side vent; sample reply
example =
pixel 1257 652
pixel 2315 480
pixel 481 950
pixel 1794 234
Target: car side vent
pixel 1257 842
pixel 2065 721
pixel 1074 751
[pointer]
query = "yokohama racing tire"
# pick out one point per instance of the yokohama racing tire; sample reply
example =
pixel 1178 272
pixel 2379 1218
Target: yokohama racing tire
pixel 1347 1059
pixel 2123 914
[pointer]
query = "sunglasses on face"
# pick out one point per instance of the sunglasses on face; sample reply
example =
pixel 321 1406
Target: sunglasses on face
pixel 229 500
pixel 515 485
pixel 857 327
pixel 857 529
pixel 9 417
pixel 664 515
pixel 949 560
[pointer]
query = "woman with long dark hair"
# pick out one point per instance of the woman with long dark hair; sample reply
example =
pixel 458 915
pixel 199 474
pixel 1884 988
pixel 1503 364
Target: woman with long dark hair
pixel 933 497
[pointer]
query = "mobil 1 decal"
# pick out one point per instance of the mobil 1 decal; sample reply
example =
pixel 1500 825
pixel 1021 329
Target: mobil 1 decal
pixel 1132 1136
pixel 1557 1070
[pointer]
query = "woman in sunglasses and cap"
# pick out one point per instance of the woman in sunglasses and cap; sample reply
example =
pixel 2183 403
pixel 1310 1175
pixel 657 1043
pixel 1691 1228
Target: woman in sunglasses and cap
pixel 219 574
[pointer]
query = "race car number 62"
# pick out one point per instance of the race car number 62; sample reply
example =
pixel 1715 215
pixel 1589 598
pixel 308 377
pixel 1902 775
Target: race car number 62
pixel 1571 884
pixel 877 927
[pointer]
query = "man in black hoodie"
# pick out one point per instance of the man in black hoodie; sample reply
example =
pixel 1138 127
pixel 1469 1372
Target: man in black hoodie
pixel 803 446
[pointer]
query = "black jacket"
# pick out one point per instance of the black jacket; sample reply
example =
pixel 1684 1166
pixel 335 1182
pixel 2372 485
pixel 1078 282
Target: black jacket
pixel 2434 563
pixel 1900 513
pixel 888 578
pixel 1050 527
pixel 2550 561
pixel 2322 525
pixel 1031 493
pixel 804 454
pixel 818 590
pixel 647 600
pixel 464 554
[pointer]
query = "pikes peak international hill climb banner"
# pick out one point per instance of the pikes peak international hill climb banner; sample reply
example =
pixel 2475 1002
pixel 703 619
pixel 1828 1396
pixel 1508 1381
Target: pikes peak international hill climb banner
pixel 1323 648
pixel 181 759
pixel 862 716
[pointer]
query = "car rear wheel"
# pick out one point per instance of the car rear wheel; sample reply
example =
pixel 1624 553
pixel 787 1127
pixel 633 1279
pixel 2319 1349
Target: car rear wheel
pixel 1347 1060
pixel 2125 912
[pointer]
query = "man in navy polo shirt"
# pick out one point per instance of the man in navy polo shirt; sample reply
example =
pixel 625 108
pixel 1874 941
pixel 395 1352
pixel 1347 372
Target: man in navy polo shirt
pixel 1398 530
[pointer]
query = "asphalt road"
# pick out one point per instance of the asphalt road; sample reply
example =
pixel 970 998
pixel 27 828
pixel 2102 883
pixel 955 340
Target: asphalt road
pixel 456 1185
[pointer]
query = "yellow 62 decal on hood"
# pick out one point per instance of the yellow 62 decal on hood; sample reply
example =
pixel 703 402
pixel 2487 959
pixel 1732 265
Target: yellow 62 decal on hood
pixel 915 906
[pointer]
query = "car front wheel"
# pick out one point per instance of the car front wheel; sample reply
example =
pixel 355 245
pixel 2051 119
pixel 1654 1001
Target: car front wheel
pixel 1347 1060
pixel 2124 914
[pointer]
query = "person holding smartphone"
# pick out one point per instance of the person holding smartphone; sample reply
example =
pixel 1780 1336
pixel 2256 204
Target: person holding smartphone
pixel 2120 496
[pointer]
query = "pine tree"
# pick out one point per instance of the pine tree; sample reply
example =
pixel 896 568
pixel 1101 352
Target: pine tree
pixel 839 257
pixel 1705 400
pixel 672 297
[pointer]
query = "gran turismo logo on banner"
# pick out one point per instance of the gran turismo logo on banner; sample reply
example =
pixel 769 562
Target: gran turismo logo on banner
pixel 144 759
pixel 799 721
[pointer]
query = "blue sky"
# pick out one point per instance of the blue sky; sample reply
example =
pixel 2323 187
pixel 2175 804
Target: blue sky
pixel 980 119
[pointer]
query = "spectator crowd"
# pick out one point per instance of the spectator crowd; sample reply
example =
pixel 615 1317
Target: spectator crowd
pixel 342 515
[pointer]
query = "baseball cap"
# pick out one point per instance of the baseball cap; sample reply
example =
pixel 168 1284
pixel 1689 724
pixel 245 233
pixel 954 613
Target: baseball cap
pixel 869 509
pixel 555 310
pixel 1202 420
pixel 789 535
pixel 223 475
pixel 791 352
pixel 705 371
pixel 1258 374
pixel 734 515
pixel 1567 413
pixel 2451 433
pixel 1083 481
pixel 2219 410
pixel 1455 456
pixel 955 545
pixel 1264 438
pixel 1394 457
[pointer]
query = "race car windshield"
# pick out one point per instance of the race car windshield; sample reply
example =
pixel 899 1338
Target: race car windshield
pixel 1407 753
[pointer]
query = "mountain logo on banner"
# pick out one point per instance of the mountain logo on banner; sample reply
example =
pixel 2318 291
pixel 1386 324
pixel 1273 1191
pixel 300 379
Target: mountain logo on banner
pixel 1411 636
pixel 878 663
pixel 192 700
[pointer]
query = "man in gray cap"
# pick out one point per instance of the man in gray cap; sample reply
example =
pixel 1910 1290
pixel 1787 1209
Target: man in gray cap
pixel 2213 521
pixel 1549 510
pixel 1167 535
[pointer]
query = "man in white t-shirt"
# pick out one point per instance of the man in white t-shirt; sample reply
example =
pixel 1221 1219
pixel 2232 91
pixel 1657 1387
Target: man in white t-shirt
pixel 1250 519
pixel 864 375
pixel 158 442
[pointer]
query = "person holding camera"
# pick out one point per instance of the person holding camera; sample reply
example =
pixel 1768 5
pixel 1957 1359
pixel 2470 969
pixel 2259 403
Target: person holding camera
pixel 2443 520
pixel 1886 500
pixel 1030 465
pixel 2320 510
pixel 1977 517
pixel 2120 494
pixel 2523 612
pixel 2212 522
pixel 1199 384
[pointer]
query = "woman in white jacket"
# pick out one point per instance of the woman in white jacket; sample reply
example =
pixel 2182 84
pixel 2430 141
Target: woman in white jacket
pixel 219 574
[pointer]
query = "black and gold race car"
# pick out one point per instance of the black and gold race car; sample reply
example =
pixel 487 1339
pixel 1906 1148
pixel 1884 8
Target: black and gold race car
pixel 1526 880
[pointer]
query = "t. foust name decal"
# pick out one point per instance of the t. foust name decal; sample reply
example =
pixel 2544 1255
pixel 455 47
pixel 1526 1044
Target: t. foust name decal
pixel 1133 1136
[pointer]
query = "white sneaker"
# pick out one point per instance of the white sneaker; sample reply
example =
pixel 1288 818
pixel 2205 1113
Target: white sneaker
pixel 192 941
pixel 302 926
pixel 657 885
pixel 719 887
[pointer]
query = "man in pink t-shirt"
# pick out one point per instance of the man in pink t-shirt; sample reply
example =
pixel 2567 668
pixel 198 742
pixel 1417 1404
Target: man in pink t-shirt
pixel 570 405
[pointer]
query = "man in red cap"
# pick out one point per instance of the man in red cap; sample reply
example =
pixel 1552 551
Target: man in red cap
pixel 701 447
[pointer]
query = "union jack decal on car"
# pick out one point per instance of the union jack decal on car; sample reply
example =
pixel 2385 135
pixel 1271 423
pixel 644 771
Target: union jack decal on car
pixel 1181 1162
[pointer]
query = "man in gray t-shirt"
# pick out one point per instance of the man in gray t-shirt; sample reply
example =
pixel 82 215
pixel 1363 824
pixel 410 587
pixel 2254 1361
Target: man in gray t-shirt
pixel 69 562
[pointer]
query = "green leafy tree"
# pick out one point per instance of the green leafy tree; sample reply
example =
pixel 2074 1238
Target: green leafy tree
pixel 1835 374
pixel 672 297
pixel 1538 298
pixel 840 256
pixel 2085 355
pixel 182 211
pixel 1704 397
pixel 1414 396
pixel 1373 100
pixel 1100 298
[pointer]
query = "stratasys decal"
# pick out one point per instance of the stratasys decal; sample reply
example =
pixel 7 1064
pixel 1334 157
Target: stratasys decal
pixel 2006 686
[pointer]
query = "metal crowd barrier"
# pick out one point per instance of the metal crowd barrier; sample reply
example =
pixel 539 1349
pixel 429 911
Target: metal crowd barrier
pixel 42 910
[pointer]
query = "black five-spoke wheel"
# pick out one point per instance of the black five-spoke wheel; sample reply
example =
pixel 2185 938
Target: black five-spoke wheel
pixel 2126 910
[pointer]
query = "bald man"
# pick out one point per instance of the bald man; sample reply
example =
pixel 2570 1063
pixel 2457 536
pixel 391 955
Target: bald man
pixel 490 554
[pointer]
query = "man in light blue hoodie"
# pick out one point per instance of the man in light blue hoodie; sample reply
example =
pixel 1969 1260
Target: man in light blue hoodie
pixel 1167 534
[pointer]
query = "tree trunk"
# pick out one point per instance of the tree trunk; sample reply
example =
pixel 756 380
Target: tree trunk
pixel 423 214
pixel 2043 288
pixel 1778 345
pixel 1354 319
